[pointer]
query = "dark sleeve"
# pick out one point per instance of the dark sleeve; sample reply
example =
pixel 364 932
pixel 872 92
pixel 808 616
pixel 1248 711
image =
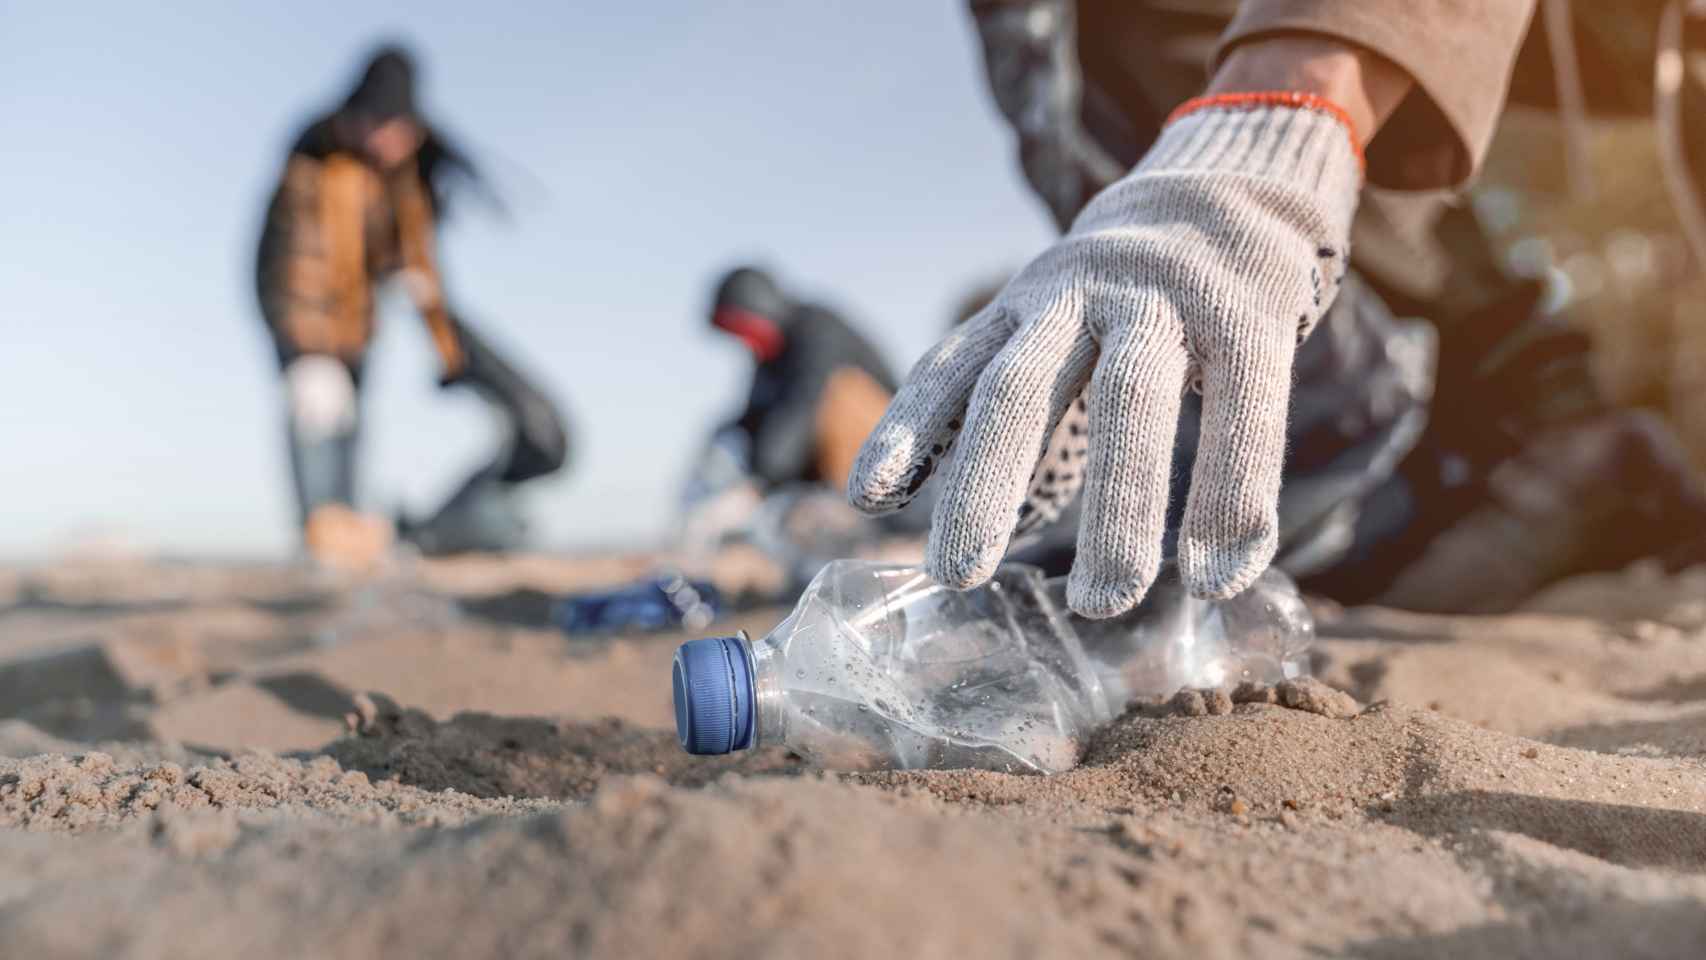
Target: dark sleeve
pixel 784 425
pixel 784 432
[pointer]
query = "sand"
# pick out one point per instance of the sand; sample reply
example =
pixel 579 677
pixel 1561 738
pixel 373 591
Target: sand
pixel 219 759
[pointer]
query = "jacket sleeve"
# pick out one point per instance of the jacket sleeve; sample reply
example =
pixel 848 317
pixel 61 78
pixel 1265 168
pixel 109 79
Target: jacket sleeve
pixel 312 272
pixel 420 265
pixel 291 274
pixel 1460 53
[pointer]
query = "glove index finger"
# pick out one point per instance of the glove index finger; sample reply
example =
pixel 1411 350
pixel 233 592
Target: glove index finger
pixel 920 424
pixel 1018 400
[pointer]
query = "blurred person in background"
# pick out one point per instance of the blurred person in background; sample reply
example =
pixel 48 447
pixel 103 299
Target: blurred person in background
pixel 776 475
pixel 363 191
pixel 1459 461
pixel 818 386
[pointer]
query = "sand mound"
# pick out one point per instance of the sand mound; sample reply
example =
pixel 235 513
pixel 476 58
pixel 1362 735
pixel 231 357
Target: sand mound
pixel 1414 769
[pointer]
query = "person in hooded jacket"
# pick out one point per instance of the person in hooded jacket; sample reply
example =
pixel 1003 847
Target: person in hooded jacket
pixel 818 386
pixel 361 196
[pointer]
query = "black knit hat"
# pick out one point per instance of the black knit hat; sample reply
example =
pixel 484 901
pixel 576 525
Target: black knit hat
pixel 750 288
pixel 387 87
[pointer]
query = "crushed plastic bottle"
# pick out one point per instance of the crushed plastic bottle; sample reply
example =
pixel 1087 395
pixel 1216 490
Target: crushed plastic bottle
pixel 1174 640
pixel 880 667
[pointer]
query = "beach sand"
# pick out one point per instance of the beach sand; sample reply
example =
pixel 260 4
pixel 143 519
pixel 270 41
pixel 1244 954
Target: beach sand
pixel 201 759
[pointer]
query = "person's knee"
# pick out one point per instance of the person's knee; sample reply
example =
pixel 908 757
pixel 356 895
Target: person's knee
pixel 321 395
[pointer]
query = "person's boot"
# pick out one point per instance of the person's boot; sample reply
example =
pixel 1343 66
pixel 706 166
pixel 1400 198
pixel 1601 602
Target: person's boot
pixel 339 538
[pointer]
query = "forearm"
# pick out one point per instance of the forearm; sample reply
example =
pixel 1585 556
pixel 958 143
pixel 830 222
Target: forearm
pixel 420 271
pixel 1458 55
pixel 1367 86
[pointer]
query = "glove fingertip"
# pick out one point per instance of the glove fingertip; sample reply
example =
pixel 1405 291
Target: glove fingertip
pixel 879 490
pixel 959 568
pixel 1222 571
pixel 872 504
pixel 1098 599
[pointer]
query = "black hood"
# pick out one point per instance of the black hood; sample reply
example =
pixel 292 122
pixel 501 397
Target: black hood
pixel 387 88
pixel 755 291
pixel 386 91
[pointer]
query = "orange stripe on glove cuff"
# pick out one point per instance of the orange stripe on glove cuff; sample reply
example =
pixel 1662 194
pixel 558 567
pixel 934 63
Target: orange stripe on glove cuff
pixel 1293 99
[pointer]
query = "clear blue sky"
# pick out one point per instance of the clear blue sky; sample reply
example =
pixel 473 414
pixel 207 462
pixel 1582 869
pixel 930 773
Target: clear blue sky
pixel 645 146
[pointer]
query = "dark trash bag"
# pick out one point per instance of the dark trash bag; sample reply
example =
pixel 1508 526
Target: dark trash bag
pixel 483 515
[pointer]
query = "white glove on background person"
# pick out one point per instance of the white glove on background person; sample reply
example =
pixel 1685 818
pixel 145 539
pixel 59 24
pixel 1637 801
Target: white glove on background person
pixel 1205 265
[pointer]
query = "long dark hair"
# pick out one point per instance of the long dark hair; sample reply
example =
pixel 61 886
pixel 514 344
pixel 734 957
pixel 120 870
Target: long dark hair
pixel 386 91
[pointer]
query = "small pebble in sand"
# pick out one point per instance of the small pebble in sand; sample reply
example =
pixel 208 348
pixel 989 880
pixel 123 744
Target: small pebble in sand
pixel 1252 692
pixel 1312 696
pixel 1200 703
pixel 1188 703
pixel 1237 807
pixel 1531 753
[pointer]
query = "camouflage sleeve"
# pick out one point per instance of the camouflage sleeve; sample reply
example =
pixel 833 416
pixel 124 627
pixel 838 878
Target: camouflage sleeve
pixel 1031 60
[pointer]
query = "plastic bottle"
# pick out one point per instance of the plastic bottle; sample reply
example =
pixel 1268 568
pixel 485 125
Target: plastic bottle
pixel 880 667
pixel 663 602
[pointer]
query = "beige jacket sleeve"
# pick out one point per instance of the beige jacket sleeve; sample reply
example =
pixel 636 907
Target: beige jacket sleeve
pixel 1460 53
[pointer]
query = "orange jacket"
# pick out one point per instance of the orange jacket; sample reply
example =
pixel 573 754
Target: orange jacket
pixel 335 228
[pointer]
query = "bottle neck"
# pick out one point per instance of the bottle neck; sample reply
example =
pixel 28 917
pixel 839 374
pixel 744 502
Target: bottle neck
pixel 770 715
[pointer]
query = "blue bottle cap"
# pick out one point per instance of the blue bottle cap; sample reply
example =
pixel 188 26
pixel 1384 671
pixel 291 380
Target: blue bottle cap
pixel 713 696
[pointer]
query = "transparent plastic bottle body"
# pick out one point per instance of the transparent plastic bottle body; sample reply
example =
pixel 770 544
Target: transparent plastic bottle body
pixel 1174 640
pixel 880 667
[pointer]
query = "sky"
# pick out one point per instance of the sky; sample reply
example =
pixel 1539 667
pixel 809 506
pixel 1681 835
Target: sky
pixel 644 147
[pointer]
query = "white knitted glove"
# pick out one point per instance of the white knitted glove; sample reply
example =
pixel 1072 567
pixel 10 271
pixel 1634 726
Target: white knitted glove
pixel 1205 265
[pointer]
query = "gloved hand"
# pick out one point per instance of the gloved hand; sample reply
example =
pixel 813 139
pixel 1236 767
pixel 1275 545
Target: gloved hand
pixel 1206 265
